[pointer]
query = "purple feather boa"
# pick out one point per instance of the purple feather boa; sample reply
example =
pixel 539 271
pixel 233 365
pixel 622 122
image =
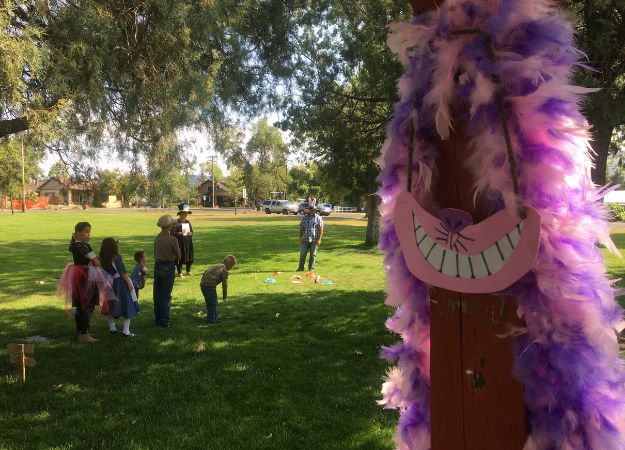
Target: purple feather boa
pixel 567 354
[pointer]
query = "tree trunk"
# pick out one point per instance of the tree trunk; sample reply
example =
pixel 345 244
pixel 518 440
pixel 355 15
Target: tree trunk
pixel 373 220
pixel 12 126
pixel 602 136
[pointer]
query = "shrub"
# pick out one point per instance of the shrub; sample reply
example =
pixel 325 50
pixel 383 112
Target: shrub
pixel 617 211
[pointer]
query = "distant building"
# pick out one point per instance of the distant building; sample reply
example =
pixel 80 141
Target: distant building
pixel 205 192
pixel 112 202
pixel 62 192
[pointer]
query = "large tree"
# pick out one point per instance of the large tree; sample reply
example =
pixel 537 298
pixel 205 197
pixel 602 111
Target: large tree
pixel 601 35
pixel 346 80
pixel 132 72
pixel 262 160
pixel 12 164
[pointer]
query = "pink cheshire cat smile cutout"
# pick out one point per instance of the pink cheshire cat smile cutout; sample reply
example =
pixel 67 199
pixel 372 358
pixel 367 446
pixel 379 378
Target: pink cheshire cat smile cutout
pixel 450 252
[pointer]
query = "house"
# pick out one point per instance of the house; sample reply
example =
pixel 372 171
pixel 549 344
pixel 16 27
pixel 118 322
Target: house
pixel 205 191
pixel 62 191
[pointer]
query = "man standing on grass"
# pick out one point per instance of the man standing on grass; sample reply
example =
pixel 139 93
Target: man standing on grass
pixel 310 234
pixel 166 254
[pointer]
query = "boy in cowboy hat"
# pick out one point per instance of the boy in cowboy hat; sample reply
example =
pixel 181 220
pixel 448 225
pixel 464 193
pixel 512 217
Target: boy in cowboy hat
pixel 166 253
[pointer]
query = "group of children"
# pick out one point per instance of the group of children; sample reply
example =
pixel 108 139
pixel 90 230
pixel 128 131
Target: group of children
pixel 101 279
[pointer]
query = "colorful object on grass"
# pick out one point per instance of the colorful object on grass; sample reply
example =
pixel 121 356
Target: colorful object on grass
pixel 462 57
pixel 277 273
pixel 310 274
pixel 453 254
pixel 327 282
pixel 270 280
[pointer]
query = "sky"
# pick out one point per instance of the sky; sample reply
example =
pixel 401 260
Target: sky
pixel 198 145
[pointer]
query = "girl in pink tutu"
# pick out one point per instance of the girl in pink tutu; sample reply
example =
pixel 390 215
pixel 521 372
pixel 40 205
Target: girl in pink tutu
pixel 84 284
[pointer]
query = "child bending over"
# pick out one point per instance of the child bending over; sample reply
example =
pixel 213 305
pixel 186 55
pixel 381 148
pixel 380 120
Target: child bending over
pixel 211 278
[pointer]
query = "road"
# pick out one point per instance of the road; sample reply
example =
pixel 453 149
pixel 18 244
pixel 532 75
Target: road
pixel 173 211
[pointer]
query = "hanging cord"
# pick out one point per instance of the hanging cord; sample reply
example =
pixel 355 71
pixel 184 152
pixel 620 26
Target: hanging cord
pixel 512 163
pixel 499 101
pixel 411 132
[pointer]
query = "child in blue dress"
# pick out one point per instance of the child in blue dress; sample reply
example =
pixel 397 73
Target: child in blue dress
pixel 140 272
pixel 127 305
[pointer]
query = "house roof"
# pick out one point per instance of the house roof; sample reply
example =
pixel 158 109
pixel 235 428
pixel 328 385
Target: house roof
pixel 207 185
pixel 65 183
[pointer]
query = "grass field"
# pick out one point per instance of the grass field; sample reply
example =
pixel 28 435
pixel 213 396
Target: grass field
pixel 291 366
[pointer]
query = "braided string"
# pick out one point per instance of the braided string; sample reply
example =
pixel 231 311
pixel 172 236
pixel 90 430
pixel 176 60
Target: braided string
pixel 499 101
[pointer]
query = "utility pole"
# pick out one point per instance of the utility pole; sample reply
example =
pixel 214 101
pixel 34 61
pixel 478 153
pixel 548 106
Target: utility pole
pixel 286 180
pixel 212 160
pixel 23 182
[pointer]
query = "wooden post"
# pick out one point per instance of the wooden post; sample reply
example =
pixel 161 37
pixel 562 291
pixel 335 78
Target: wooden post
pixel 475 403
pixel 18 357
pixel 23 181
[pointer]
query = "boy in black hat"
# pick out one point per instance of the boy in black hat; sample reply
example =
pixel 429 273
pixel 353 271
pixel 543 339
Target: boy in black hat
pixel 183 231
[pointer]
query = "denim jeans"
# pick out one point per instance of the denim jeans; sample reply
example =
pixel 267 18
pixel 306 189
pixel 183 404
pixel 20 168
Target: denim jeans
pixel 210 297
pixel 304 249
pixel 164 276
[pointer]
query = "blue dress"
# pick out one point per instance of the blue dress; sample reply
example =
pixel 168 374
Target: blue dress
pixel 124 306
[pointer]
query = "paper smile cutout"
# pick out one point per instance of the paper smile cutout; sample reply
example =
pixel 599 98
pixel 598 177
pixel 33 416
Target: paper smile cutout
pixel 452 253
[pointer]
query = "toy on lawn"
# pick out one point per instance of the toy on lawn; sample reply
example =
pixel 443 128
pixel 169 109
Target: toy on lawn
pixel 19 358
pixel 270 280
pixel 492 78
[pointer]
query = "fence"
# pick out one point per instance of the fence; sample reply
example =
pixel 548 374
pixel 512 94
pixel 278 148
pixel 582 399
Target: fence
pixel 40 203
pixel 345 209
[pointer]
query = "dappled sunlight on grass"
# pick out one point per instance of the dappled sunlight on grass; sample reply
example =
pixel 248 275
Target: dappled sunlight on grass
pixel 296 362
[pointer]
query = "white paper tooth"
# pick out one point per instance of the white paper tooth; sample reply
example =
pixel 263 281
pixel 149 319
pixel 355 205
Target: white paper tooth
pixel 463 266
pixel 493 259
pixel 450 266
pixel 436 256
pixel 479 268
pixel 514 236
pixel 505 247
pixel 425 245
pixel 419 232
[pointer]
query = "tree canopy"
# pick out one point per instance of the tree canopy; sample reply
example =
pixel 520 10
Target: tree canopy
pixel 135 71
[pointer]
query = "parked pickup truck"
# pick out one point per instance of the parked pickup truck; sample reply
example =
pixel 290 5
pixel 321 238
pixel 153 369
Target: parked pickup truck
pixel 279 206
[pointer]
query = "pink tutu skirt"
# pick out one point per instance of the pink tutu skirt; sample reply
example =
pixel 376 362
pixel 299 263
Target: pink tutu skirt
pixel 84 286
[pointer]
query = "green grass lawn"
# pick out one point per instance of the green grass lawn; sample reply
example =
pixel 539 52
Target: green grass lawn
pixel 291 366
pixel 615 265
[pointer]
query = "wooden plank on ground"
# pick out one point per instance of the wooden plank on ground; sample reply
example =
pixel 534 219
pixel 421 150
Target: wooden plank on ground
pixel 26 348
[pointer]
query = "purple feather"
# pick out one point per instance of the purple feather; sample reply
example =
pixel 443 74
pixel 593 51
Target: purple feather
pixel 567 357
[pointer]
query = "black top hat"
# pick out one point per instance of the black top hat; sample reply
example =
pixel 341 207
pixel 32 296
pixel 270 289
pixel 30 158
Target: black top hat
pixel 184 208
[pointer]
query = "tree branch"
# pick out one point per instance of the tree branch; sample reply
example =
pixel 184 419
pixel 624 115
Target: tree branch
pixel 12 126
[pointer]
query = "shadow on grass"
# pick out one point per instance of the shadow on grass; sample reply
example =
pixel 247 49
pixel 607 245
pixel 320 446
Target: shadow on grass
pixel 283 371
